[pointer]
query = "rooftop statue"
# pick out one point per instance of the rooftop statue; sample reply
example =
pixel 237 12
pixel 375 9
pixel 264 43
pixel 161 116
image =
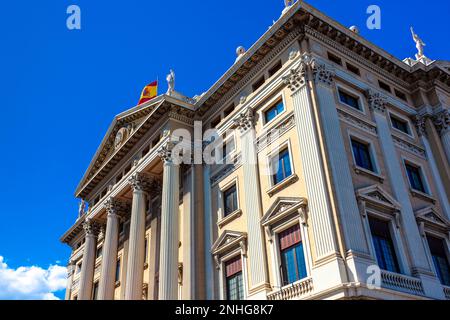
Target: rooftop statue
pixel 419 45
pixel 171 82
pixel 82 208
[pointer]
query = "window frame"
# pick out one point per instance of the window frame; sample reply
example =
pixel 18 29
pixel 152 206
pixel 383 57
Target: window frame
pixel 351 92
pixel 407 161
pixel 223 219
pixel 278 150
pixel 401 118
pixel 280 97
pixel 223 279
pixel 445 244
pixel 372 152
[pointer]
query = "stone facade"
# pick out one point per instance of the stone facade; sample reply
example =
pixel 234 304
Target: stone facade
pixel 160 229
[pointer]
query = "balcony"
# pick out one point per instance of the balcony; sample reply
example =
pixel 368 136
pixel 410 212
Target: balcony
pixel 297 290
pixel 447 292
pixel 400 282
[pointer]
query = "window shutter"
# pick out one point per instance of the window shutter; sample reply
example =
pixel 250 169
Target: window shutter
pixel 233 266
pixel 290 237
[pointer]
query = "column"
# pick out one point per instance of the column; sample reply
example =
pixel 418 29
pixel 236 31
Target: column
pixel 420 123
pixel 136 246
pixel 168 268
pixel 419 262
pixel 253 207
pixel 208 233
pixel 442 123
pixel 320 210
pixel 88 264
pixel 114 209
pixel 70 273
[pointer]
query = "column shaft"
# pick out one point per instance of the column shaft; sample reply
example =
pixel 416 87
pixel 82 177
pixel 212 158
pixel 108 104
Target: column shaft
pixel 88 264
pixel 168 270
pixel 136 246
pixel 109 260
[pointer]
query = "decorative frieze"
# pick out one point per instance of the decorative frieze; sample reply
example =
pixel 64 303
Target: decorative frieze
pixel 284 126
pixel 357 122
pixel 409 147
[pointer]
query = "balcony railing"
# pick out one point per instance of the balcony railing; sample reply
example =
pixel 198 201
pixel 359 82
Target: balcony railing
pixel 294 291
pixel 447 292
pixel 402 283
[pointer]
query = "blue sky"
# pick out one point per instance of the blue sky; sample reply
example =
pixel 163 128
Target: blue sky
pixel 60 89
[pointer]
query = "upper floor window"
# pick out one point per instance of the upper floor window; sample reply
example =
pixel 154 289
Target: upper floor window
pixel 293 263
pixel 230 200
pixel 79 267
pixel 281 166
pixel 383 244
pixel 334 58
pixel 273 112
pixel 234 279
pixel 258 83
pixel 117 275
pixel 400 95
pixel 99 252
pixel 400 124
pixel 349 99
pixel 216 122
pixel 361 153
pixel 384 86
pixel 228 147
pixel 352 69
pixel 275 68
pixel 440 259
pixel 95 291
pixel 415 177
pixel 229 110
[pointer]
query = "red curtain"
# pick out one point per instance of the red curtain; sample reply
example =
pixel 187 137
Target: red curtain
pixel 233 266
pixel 290 237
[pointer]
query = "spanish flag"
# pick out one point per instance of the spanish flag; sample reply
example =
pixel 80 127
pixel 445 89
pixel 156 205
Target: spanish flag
pixel 150 91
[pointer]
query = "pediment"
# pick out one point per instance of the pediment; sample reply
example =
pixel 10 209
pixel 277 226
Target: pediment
pixel 377 197
pixel 281 208
pixel 228 239
pixel 431 217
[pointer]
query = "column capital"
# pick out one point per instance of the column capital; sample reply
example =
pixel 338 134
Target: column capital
pixel 245 121
pixel 322 73
pixel 117 207
pixel 297 77
pixel 377 101
pixel 442 122
pixel 91 227
pixel 420 124
pixel 165 152
pixel 144 182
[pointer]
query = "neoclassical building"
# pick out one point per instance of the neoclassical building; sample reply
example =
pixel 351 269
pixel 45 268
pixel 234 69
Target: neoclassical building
pixel 335 183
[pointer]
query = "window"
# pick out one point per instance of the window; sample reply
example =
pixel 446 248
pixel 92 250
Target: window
pixel 415 177
pixel 228 147
pixel 352 69
pixel 293 264
pixel 234 279
pixel 334 59
pixel 146 250
pixel 258 83
pixel 119 177
pixel 400 124
pixel 99 252
pixel 230 200
pixel 440 259
pixel 216 122
pixel 146 150
pixel 400 95
pixel 229 110
pixel 384 247
pixel 121 228
pixel 156 140
pixel 79 267
pixel 117 276
pixel 281 165
pixel 95 291
pixel 273 112
pixel 361 153
pixel 275 68
pixel 384 86
pixel 350 100
pixel 128 169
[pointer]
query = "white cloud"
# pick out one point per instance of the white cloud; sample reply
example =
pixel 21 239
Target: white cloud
pixel 31 283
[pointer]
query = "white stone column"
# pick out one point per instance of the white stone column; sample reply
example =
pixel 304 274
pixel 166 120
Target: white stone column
pixel 114 209
pixel 88 263
pixel 259 284
pixel 442 123
pixel 168 268
pixel 419 263
pixel 320 209
pixel 208 230
pixel 420 122
pixel 136 246
pixel 70 273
